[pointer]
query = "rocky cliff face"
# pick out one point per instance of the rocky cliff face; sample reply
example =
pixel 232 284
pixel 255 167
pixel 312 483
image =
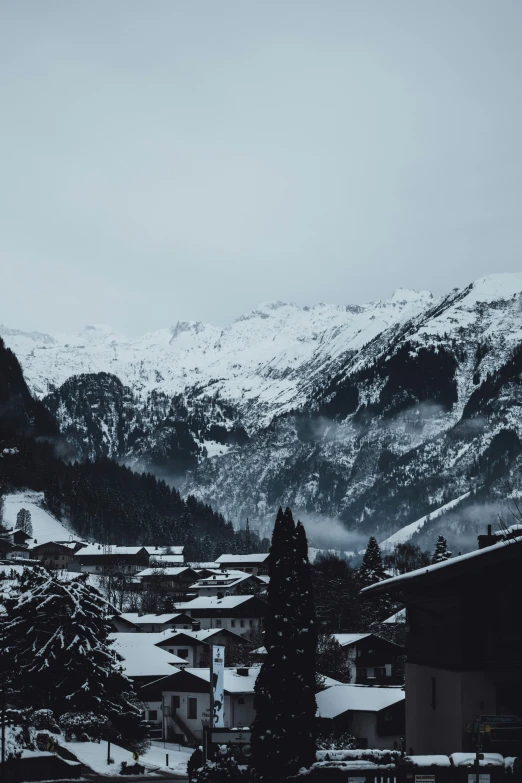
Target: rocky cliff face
pixel 373 415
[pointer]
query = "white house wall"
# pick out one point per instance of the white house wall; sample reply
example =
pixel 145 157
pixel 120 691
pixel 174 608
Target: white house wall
pixel 234 713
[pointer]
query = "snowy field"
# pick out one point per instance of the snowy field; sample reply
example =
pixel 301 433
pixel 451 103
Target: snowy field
pixel 94 755
pixel 45 526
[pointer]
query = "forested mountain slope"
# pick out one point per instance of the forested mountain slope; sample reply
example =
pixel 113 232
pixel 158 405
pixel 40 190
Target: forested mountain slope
pixel 371 415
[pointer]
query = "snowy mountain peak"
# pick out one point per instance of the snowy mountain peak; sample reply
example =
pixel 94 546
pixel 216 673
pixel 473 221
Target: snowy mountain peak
pixel 496 287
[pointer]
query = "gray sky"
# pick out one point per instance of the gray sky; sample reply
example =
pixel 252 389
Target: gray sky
pixel 189 159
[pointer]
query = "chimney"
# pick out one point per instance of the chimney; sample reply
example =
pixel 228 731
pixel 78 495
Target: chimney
pixel 487 539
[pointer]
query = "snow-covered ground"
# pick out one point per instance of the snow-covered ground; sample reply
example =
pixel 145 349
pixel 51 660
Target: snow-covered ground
pixel 405 533
pixel 94 755
pixel 45 526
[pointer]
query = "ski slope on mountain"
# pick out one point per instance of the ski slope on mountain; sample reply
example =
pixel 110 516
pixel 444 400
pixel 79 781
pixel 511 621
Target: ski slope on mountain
pixel 405 533
pixel 45 526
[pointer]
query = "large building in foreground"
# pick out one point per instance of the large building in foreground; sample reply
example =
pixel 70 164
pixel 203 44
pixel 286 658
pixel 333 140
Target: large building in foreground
pixel 464 649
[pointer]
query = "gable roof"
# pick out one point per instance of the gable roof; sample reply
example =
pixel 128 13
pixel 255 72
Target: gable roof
pixel 260 558
pixel 161 551
pixel 91 550
pixel 233 682
pixel 176 571
pixel 141 658
pixel 347 639
pixel 338 699
pixel 153 619
pixel 213 602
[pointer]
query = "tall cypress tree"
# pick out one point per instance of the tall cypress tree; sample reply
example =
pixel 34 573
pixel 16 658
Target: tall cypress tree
pixel 283 733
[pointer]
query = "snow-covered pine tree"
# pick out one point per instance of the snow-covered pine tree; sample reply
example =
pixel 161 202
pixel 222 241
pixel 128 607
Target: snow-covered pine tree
pixel 441 552
pixel 57 655
pixel 283 732
pixel 23 521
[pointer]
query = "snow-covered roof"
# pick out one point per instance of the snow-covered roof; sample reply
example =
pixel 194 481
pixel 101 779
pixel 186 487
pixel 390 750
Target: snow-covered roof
pixel 99 550
pixel 428 761
pixel 67 544
pixel 146 619
pixel 233 682
pixel 163 571
pixel 204 635
pixel 226 580
pixel 141 658
pixel 212 602
pixel 359 698
pixel 345 639
pixel 166 558
pixel 163 551
pixel 468 760
pixel 510 547
pixel 143 641
pixel 260 558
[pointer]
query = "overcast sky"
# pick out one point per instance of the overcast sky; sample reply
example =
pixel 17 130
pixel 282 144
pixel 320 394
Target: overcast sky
pixel 189 159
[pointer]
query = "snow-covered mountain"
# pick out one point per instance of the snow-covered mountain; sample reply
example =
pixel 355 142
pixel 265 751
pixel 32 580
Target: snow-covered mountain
pixel 374 415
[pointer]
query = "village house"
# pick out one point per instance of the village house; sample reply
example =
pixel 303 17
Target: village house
pixel 185 702
pixel 14 545
pixel 177 581
pixel 238 613
pixel 163 556
pixel 371 659
pixel 373 715
pixel 143 659
pixel 96 559
pixel 464 649
pixel 194 646
pixel 151 623
pixel 227 583
pixel 56 554
pixel 250 564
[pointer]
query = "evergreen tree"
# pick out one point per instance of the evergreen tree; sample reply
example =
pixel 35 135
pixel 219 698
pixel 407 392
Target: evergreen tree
pixel 331 659
pixel 371 569
pixel 441 552
pixel 336 594
pixel 378 608
pixel 23 521
pixel 56 654
pixel 283 732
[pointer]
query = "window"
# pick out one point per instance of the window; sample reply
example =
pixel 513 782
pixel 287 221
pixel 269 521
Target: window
pixel 362 674
pixel 380 671
pixel 242 623
pixel 233 623
pixel 175 702
pixel 192 708
pixel 183 653
pixel 249 570
pixel 153 714
pixel 251 623
pixel 218 623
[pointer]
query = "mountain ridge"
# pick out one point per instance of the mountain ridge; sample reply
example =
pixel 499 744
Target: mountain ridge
pixel 331 408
